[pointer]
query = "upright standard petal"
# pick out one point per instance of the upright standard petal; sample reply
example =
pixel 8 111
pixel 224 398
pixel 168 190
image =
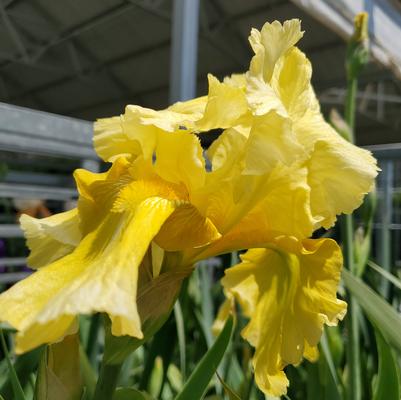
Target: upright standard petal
pixel 225 107
pixel 179 159
pixel 273 41
pixel 110 141
pixel 271 141
pixel 136 131
pixel 291 81
pixel 289 292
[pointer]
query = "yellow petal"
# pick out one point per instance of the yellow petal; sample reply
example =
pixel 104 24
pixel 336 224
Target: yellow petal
pixel 226 151
pixel 288 291
pixel 157 259
pixel 339 173
pixel 186 228
pixel 271 141
pixel 261 97
pixel 52 237
pixel 237 80
pixel 291 82
pixel 280 198
pixel 311 353
pixel 136 131
pixel 95 186
pixel 225 107
pixel 273 41
pixel 99 191
pixel 100 275
pixel 179 159
pixel 258 209
pixel 39 333
pixel 177 117
pixel 269 45
pixel 191 110
pixel 110 140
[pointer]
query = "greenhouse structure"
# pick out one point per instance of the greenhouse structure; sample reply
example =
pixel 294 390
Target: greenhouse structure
pixel 255 175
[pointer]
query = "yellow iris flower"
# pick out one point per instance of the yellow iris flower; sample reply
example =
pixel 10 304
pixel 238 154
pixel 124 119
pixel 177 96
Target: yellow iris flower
pixel 278 172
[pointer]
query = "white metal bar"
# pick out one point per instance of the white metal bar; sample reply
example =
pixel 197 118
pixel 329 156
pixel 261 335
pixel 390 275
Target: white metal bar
pixel 36 192
pixel 386 214
pixel 11 277
pixel 386 151
pixel 25 130
pixel 38 178
pixel 10 231
pixel 13 262
pixel 184 50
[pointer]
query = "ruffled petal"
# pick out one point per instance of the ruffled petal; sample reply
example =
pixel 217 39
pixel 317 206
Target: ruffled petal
pixel 99 191
pixel 262 98
pixel 100 275
pixel 289 292
pixel 339 173
pixel 52 237
pixel 257 209
pixel 225 107
pixel 291 81
pixel 272 42
pixel 179 159
pixel 136 131
pixel 225 155
pixel 110 141
pixel 271 141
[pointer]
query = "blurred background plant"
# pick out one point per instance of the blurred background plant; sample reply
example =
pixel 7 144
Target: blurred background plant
pixel 360 359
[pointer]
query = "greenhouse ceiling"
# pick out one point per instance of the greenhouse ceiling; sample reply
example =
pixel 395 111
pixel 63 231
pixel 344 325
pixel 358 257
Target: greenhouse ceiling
pixel 88 59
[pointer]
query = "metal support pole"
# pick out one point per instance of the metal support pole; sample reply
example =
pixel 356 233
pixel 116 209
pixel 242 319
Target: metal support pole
pixel 184 50
pixel 386 211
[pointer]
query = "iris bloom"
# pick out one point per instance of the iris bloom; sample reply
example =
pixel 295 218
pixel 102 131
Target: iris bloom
pixel 278 172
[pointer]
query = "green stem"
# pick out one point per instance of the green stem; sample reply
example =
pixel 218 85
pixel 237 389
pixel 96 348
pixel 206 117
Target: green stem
pixel 92 343
pixel 347 226
pixel 107 381
pixel 350 103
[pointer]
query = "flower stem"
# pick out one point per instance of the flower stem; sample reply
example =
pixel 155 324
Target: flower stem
pixel 350 102
pixel 107 381
pixel 347 227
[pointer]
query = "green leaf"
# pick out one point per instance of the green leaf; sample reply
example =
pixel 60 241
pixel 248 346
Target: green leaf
pixel 387 384
pixel 179 320
pixel 92 342
pixel 390 277
pixel 59 371
pixel 163 345
pixel 17 389
pixel 130 394
pixel 206 302
pixel 203 373
pixel 88 374
pixel 229 392
pixel 24 365
pixel 382 314
pixel 330 370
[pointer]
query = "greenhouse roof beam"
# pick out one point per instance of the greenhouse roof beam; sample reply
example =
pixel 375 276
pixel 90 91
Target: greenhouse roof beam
pixel 74 31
